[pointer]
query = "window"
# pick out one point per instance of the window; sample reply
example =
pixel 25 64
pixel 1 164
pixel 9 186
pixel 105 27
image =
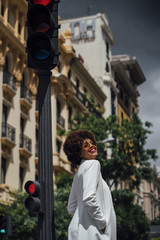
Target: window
pixel 4 121
pixel 58 144
pixel 2 7
pixel 107 67
pixel 59 66
pixel 11 16
pixel 77 84
pixel 19 27
pixel 122 116
pixel 58 108
pixel 3 170
pixel 5 110
pixel 107 49
pixel 6 64
pixel 21 175
pixel 22 123
pixel 69 74
pixel 69 114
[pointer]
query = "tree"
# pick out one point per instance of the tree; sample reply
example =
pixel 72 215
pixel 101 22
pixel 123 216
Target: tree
pixel 131 220
pixel 128 163
pixel 25 227
pixel 62 218
pixel 129 160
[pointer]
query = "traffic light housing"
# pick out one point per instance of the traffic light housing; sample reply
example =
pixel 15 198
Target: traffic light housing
pixel 35 201
pixel 6 226
pixel 42 42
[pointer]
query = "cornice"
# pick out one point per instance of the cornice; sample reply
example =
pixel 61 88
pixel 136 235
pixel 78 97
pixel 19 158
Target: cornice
pixel 88 79
pixel 119 70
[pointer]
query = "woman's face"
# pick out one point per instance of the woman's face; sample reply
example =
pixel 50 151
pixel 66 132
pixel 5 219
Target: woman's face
pixel 89 150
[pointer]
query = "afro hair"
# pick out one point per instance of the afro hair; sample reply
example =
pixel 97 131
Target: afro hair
pixel 73 144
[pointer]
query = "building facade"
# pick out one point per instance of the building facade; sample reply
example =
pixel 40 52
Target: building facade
pixel 92 40
pixel 70 84
pixel 87 69
pixel 118 76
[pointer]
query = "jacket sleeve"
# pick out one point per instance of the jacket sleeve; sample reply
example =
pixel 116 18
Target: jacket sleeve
pixel 72 201
pixel 91 178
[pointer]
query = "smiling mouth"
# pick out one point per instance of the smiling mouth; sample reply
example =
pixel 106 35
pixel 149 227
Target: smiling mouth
pixel 93 150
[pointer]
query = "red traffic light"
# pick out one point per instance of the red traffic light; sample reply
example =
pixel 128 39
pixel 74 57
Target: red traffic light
pixel 43 2
pixel 32 187
pixel 32 202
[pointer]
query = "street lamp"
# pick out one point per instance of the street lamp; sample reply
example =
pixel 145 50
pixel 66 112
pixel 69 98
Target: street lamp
pixel 110 139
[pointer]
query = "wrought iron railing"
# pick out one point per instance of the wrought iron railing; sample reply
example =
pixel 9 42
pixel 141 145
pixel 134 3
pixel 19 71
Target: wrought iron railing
pixel 9 79
pixel 8 131
pixel 26 93
pixel 25 142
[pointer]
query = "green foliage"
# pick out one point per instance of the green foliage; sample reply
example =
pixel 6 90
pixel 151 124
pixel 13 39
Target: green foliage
pixel 129 155
pixel 25 226
pixel 156 221
pixel 62 218
pixel 128 150
pixel 131 220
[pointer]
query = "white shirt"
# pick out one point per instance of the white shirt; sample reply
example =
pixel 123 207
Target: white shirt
pixel 90 203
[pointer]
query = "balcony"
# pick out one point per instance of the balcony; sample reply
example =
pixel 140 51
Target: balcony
pixel 9 86
pixel 25 146
pixel 81 97
pixel 26 99
pixel 60 122
pixel 8 136
pixel 60 164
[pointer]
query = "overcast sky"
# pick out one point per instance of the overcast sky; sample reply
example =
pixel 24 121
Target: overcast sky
pixel 136 30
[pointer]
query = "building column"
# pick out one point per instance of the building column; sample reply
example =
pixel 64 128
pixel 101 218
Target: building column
pixel 16 21
pixel 5 12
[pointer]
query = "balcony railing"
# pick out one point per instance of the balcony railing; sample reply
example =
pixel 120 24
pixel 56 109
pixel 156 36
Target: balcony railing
pixel 25 143
pixel 81 97
pixel 26 94
pixel 8 131
pixel 9 79
pixel 61 121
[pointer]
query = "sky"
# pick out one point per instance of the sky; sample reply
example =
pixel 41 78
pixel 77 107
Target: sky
pixel 135 25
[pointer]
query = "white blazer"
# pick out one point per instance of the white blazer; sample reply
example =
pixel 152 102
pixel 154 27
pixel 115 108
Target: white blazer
pixel 90 203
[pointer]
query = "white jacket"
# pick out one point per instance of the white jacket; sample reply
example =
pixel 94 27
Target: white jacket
pixel 90 203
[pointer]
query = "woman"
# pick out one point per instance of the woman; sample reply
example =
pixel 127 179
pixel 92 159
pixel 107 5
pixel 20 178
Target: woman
pixel 90 200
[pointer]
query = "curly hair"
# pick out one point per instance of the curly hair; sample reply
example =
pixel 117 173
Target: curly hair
pixel 73 144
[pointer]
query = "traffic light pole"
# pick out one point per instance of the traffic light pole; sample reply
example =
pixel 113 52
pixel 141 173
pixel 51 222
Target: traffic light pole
pixel 45 165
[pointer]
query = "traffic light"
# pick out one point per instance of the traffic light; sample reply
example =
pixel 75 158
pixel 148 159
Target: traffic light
pixel 6 226
pixel 2 225
pixel 35 201
pixel 42 42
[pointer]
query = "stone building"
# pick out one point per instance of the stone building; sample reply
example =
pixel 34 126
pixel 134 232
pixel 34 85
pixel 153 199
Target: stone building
pixel 70 82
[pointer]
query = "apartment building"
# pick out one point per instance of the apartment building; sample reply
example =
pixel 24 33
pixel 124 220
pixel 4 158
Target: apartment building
pixel 128 76
pixel 70 84
pixel 92 40
pixel 118 76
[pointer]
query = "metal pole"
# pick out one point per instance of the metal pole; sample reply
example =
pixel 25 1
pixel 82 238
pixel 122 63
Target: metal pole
pixel 45 164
